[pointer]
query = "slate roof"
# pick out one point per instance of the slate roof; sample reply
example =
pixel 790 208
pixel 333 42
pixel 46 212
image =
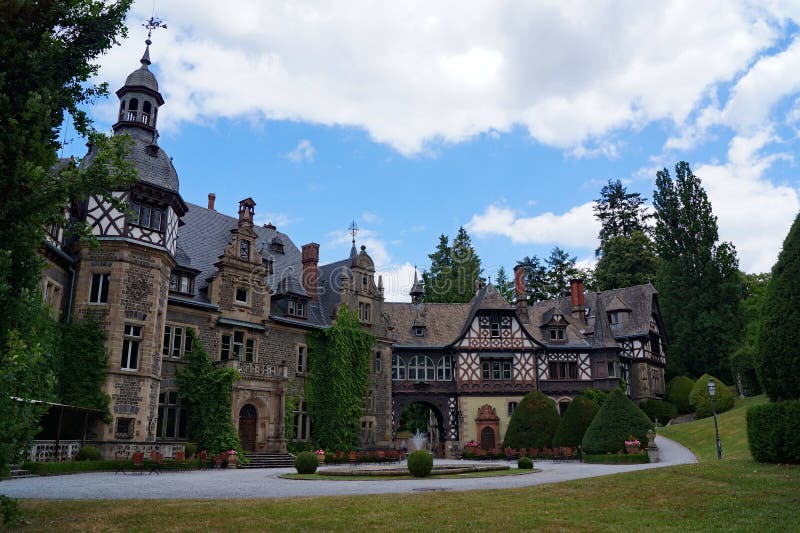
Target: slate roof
pixel 142 77
pixel 444 322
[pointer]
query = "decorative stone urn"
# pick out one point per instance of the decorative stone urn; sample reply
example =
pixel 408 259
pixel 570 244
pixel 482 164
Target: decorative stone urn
pixel 652 449
pixel 232 459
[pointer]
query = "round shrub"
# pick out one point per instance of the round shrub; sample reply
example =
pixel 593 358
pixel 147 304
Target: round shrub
pixel 616 422
pixel 420 463
pixel 701 401
pixel 773 432
pixel 88 453
pixel 579 415
pixel 678 390
pixel 525 463
pixel 533 424
pixel 659 410
pixel 306 462
pixel 189 449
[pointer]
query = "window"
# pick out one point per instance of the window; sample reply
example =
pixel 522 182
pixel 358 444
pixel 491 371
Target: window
pixel 364 311
pixel 172 417
pixel 444 369
pixel 419 331
pixel 364 281
pixel 494 329
pixel 130 347
pixel 557 334
pixel 51 294
pixel 146 108
pixel 250 350
pixel 512 406
pixel 612 369
pixel 378 363
pixel 369 401
pixel 123 429
pixel 421 368
pixel 615 317
pixel 398 368
pixel 367 431
pixel 241 295
pixel 562 407
pixel 238 344
pixel 302 427
pixel 296 307
pixel 225 348
pixel 177 341
pixel 98 294
pixel 564 370
pixel 269 265
pixel 244 250
pixel 301 359
pixel 147 216
pixel 493 369
pixel 181 282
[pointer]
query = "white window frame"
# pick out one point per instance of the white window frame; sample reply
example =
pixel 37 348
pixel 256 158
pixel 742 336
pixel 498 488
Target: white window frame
pixel 99 297
pixel 302 359
pixel 246 295
pixel 131 347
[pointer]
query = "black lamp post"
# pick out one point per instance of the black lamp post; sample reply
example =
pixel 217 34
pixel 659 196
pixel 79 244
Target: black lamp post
pixel 712 391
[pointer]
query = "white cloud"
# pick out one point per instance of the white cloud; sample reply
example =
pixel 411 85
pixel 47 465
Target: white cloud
pixel 752 212
pixel 368 216
pixel 413 74
pixel 279 220
pixel 577 227
pixel 304 151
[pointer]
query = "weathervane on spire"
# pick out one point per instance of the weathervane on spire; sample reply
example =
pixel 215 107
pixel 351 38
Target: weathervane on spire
pixel 153 23
pixel 353 228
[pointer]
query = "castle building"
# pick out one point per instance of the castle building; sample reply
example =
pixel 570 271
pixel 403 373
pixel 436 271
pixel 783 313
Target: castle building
pixel 251 296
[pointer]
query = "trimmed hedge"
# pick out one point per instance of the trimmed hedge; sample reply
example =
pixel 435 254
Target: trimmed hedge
pixel 678 390
pixel 579 415
pixel 659 410
pixel 701 401
pixel 617 459
pixel 88 453
pixel 617 420
pixel 306 462
pixel 525 463
pixel 534 422
pixel 773 432
pixel 420 463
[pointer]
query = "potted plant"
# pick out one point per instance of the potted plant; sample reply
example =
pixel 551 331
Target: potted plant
pixel 632 446
pixel 320 455
pixel 232 457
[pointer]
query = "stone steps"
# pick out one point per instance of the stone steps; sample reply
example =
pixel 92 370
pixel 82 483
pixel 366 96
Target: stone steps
pixel 269 460
pixel 19 473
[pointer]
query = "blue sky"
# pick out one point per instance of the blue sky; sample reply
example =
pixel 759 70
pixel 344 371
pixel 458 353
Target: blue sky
pixel 506 118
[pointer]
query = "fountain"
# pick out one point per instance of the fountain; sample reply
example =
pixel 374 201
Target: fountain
pixel 419 440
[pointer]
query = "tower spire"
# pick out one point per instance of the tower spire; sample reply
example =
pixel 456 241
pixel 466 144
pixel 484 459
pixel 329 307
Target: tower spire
pixel 153 23
pixel 353 228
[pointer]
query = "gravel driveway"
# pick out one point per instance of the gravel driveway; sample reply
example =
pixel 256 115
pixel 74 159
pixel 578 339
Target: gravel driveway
pixel 265 483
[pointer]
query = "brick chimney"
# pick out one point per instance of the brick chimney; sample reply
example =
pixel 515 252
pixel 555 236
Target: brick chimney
pixel 211 198
pixel 519 284
pixel 310 259
pixel 577 299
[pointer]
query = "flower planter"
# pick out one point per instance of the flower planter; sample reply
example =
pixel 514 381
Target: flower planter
pixel 631 450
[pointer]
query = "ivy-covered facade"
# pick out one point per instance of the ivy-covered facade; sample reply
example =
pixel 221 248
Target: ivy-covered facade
pixel 167 275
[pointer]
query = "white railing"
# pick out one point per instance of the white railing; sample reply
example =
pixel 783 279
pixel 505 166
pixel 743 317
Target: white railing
pixel 47 450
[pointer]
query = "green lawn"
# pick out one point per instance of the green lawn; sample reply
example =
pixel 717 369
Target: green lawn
pixel 698 436
pixel 732 495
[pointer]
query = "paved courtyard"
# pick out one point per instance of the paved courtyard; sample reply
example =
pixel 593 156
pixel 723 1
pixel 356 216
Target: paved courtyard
pixel 258 483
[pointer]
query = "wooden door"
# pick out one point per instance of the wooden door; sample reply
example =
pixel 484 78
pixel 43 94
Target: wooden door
pixel 248 418
pixel 487 438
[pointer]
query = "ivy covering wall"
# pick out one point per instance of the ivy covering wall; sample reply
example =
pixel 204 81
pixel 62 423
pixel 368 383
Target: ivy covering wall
pixel 206 390
pixel 338 367
pixel 82 363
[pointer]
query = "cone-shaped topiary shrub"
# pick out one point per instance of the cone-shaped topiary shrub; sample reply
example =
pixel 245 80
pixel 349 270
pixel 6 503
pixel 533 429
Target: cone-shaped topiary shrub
pixel 701 401
pixel 616 422
pixel 420 463
pixel 524 463
pixel 678 390
pixel 306 462
pixel 579 415
pixel 533 424
pixel 659 410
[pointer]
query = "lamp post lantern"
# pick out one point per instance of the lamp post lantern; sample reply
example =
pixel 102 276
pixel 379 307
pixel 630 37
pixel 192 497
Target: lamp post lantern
pixel 712 391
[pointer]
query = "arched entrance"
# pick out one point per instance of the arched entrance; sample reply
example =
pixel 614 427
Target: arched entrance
pixel 488 426
pixel 487 438
pixel 248 419
pixel 423 417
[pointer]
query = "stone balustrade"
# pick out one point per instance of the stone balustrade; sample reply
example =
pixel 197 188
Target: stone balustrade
pixel 51 450
pixel 251 370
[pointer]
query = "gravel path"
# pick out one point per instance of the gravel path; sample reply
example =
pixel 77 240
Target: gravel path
pixel 265 483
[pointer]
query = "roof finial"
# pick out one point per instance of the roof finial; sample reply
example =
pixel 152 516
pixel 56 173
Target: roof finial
pixel 151 24
pixel 353 227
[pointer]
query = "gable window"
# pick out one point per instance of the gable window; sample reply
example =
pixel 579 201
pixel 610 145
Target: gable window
pixel 147 216
pixel 241 295
pixel 421 368
pixel 512 406
pixel 563 370
pixel 494 329
pixel 130 347
pixel 364 311
pixel 557 334
pixel 98 293
pixel 419 331
pixel 296 307
pixel 172 417
pixel 615 317
pixel 496 370
pixel 444 369
pixel 244 250
pixel 398 368
pixel 301 359
pixel 181 282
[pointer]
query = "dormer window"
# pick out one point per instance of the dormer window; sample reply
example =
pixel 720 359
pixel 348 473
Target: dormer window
pixel 277 245
pixel 244 250
pixel 269 265
pixel 419 331
pixel 181 282
pixel 241 295
pixel 296 307
pixel 557 334
pixel 615 317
